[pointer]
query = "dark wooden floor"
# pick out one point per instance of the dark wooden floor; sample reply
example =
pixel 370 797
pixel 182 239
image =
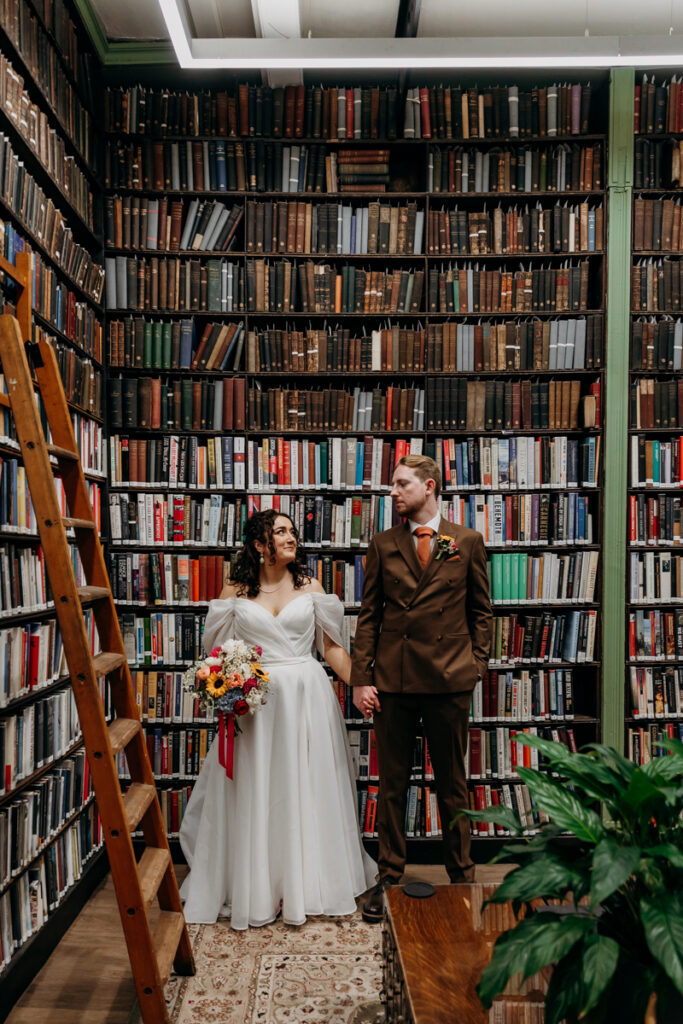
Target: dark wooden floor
pixel 87 979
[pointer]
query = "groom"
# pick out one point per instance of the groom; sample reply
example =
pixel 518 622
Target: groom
pixel 422 640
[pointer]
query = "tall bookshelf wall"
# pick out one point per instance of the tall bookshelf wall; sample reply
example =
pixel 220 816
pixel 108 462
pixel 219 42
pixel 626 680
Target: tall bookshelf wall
pixel 51 852
pixel 510 366
pixel 654 694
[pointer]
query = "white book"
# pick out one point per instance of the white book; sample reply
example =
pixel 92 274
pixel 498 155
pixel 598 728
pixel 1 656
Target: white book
pixel 294 157
pixel 678 344
pixel 175 167
pixel 239 471
pixel 363 230
pixel 570 348
pixel 284 185
pixel 217 404
pixel 341 113
pixel 357 111
pixel 340 228
pixel 409 118
pixel 561 344
pixel 190 220
pixel 152 239
pixel 527 170
pixel 217 220
pixel 419 232
pixel 551 113
pixel 121 282
pixel 513 111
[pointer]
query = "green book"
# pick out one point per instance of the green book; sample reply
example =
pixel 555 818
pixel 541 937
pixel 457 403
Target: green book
pixel 147 345
pixel 166 345
pixel 456 294
pixel 523 565
pixel 507 576
pixel 497 575
pixel 514 575
pixel 157 344
pixel 186 405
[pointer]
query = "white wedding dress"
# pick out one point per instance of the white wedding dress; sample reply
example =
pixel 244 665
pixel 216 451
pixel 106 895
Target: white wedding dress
pixel 286 828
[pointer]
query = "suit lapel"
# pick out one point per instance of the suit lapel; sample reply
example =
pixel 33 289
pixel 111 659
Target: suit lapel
pixel 406 545
pixel 433 563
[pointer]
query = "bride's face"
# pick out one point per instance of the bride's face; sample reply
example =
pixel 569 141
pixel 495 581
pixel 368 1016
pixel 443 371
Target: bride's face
pixel 284 540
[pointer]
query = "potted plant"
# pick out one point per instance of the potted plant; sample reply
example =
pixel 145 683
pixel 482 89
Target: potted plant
pixel 620 937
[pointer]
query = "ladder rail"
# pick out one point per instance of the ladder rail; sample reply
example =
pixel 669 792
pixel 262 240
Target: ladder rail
pixel 140 806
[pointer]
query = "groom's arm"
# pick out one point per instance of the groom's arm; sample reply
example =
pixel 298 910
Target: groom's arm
pixel 369 620
pixel 479 615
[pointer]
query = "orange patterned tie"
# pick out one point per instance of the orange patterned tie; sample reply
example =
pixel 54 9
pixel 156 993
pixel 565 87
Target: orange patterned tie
pixel 424 536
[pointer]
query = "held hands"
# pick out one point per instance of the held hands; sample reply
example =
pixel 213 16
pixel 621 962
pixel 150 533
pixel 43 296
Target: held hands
pixel 366 699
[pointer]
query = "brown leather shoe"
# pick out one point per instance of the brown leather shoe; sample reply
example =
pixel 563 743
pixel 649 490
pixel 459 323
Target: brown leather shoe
pixel 372 910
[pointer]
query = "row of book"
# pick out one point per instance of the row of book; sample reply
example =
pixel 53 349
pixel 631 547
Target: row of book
pixel 334 228
pixel 16 508
pixel 82 380
pixel 483 463
pixel 23 196
pixel 385 408
pixel 282 287
pixel 57 304
pixel 151 578
pixel 657 344
pixel 656 403
pixel 162 697
pixel 458 403
pixel 655 576
pixel 170 225
pixel 43 61
pixel 658 108
pixel 655 634
pixel 515 229
pixel 656 692
pixel 645 743
pixel 524 696
pixel 154 404
pixel 547 638
pixel 174 284
pixel 33 125
pixel 656 285
pixel 29 822
pixel 497 112
pixel 163 638
pixel 567 167
pixel 139 343
pixel 224 166
pixel 516 577
pixel 657 163
pixel 657 224
pixel 469 288
pixel 340 112
pixel 24 585
pixel 36 735
pixel 656 463
pixel 32 656
pixel 174 754
pixel 496 753
pixel 655 519
pixel 26 905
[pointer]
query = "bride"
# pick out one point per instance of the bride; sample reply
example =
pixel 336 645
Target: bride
pixel 284 834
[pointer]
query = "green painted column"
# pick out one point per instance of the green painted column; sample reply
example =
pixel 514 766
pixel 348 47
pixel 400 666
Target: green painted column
pixel 619 180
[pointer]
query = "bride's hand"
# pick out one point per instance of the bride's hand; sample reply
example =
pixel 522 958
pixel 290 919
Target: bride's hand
pixel 366 699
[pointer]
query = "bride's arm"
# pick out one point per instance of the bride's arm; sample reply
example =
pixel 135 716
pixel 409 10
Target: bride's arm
pixel 336 656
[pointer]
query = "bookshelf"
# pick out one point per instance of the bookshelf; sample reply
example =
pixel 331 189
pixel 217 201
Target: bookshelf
pixel 51 853
pixel 654 703
pixel 453 302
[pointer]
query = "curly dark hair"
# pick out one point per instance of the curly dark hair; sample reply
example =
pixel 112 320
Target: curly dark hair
pixel 245 571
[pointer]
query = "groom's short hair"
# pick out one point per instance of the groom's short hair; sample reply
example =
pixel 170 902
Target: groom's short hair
pixel 424 468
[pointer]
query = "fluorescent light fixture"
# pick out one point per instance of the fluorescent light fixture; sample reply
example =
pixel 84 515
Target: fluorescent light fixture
pixel 438 53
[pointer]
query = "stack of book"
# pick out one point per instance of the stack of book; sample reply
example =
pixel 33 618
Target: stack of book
pixel 360 170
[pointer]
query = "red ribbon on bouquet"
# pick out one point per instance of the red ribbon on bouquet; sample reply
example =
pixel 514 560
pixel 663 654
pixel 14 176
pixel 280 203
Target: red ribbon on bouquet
pixel 226 742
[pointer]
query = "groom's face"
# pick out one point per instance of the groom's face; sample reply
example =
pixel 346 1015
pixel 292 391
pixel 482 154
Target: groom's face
pixel 409 494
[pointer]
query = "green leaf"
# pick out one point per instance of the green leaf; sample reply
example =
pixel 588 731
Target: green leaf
pixel 663 926
pixel 564 997
pixel 620 764
pixel 594 776
pixel 544 877
pixel 668 851
pixel 538 940
pixel 641 791
pixel 666 768
pixel 498 814
pixel 600 958
pixel 612 866
pixel 564 807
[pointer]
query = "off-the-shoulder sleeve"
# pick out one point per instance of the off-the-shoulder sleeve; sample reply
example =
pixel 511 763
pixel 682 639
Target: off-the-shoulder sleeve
pixel 219 623
pixel 329 618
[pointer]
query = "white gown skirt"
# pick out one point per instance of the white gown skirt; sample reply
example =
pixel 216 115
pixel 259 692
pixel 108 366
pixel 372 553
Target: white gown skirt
pixel 286 828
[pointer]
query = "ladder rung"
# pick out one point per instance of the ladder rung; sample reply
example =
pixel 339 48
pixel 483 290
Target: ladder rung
pixel 152 867
pixel 62 453
pixel 121 732
pixel 4 400
pixel 87 594
pixel 107 661
pixel 136 801
pixel 167 935
pixel 78 524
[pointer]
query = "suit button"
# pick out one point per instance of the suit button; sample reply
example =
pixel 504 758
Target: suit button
pixel 406 636
pixel 395 579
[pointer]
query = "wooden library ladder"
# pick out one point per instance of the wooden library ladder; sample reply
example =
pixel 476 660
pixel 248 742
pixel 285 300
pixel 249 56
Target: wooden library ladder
pixel 153 952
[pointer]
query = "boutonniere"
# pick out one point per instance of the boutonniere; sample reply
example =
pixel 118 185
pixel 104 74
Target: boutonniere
pixel 446 547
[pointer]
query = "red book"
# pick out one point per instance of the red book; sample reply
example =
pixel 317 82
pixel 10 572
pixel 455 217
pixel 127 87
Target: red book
pixel 425 123
pixel 240 386
pixel 349 113
pixel 33 657
pixel 174 823
pixel 194 567
pixel 201 581
pixel 228 402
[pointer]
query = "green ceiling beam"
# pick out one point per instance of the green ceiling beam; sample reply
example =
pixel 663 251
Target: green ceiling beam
pixel 112 54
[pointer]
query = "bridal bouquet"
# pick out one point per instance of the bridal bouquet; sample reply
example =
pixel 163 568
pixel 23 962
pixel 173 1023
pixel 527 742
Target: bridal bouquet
pixel 232 682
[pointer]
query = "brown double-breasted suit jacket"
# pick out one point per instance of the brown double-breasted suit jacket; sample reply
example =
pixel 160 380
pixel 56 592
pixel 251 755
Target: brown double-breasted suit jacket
pixel 423 630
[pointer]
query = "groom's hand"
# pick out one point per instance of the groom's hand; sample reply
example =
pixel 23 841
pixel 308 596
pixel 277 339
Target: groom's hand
pixel 366 699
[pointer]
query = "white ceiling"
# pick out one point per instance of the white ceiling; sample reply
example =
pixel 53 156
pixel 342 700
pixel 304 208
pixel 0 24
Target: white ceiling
pixel 142 19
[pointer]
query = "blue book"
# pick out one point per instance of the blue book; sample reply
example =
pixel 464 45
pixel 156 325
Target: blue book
pixel 324 477
pixel 360 455
pixel 303 165
pixel 359 576
pixel 221 168
pixel 186 343
pixel 353 233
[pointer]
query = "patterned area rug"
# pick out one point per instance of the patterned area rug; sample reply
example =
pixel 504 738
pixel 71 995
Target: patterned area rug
pixel 328 971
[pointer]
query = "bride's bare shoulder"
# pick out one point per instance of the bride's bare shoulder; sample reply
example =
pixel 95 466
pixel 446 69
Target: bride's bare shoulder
pixel 313 585
pixel 229 590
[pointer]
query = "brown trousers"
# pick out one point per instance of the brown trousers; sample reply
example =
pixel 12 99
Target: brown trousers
pixel 445 720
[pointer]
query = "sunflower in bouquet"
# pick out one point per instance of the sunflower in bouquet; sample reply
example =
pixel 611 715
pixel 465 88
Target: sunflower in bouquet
pixel 232 682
